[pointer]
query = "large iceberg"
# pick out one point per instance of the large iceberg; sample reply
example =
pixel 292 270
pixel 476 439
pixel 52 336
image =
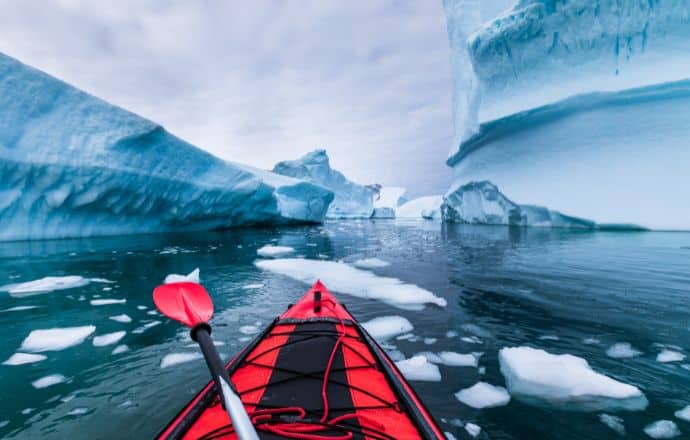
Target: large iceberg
pixel 578 105
pixel 74 165
pixel 351 200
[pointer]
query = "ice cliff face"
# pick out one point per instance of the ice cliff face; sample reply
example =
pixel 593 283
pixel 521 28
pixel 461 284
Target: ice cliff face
pixel 578 105
pixel 72 165
pixel 351 200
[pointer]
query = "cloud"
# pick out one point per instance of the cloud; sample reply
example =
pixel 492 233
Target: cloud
pixel 258 82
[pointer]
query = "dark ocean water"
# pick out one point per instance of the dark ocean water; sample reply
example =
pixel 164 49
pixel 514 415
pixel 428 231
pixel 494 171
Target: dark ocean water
pixel 509 286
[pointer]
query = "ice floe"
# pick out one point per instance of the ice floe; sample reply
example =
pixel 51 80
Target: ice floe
pixel 670 356
pixel 453 359
pixel 662 429
pixel 538 376
pixel 54 339
pixel 622 350
pixel 472 429
pixel 270 251
pixel 18 309
pixel 48 284
pixel 107 302
pixel 24 358
pixel 613 422
pixel 370 263
pixel 123 318
pixel 683 414
pixel 483 395
pixel 108 339
pixel 249 329
pixel 122 348
pixel 191 277
pixel 420 369
pixel 340 277
pixel 387 327
pixel 48 381
pixel 179 358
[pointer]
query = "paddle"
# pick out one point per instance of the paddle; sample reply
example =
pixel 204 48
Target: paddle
pixel 190 304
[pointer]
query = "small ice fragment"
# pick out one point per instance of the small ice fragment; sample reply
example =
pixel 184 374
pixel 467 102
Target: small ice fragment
pixel 482 370
pixel 591 341
pixel 24 358
pixel 4 423
pixel 108 339
pixel 191 277
pixel 253 286
pixel 47 381
pixel 683 414
pixel 107 289
pixel 106 302
pixel 395 354
pixel 142 307
pixel 178 358
pixel 430 341
pixel 622 350
pixel 386 327
pixel 418 368
pixel 670 356
pixel 404 337
pixel 78 411
pixel 453 359
pixel 143 328
pixel 476 330
pixel 662 429
pixel 483 395
pixel 122 348
pixel 449 436
pixel 370 263
pixel 451 334
pixel 471 339
pixel 548 338
pixel 613 422
pixel 152 312
pixel 472 429
pixel 55 339
pixel 125 319
pixel 18 308
pixel 44 285
pixel 244 339
pixel 68 398
pixel 249 329
pixel 269 251
pixel 27 411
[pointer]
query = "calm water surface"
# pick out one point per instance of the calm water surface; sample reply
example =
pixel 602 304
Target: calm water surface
pixel 508 286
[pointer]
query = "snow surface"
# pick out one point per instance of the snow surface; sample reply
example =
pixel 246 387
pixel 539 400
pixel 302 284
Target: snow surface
pixel 670 356
pixel 428 208
pixel 107 302
pixel 108 339
pixel 48 381
pixel 191 277
pixel 123 318
pixel 55 339
pixel 269 251
pixel 340 277
pixel 48 284
pixel 351 200
pixel 130 174
pixel 662 429
pixel 179 358
pixel 622 350
pixel 566 380
pixel 683 414
pixel 24 358
pixel 483 395
pixel 420 369
pixel 387 327
pixel 371 263
pixel 613 422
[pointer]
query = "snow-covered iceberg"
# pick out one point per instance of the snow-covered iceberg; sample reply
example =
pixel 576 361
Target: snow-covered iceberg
pixel 74 165
pixel 351 200
pixel 428 207
pixel 578 105
pixel 387 201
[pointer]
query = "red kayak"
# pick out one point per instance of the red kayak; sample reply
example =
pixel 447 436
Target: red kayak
pixel 315 374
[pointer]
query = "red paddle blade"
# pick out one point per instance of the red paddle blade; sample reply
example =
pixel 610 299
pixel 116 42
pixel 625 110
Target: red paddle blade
pixel 187 303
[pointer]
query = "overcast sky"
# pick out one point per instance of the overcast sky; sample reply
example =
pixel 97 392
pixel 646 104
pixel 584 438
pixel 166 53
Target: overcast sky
pixel 262 81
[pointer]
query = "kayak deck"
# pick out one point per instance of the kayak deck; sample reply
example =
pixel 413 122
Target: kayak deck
pixel 313 374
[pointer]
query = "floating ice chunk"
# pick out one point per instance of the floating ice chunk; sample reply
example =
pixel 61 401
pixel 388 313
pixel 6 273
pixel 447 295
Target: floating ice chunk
pixel 340 277
pixel 122 348
pixel 178 358
pixel 395 354
pixel 472 429
pixel 591 341
pixel 370 263
pixel 430 341
pixel 18 308
pixel 613 422
pixel 538 376
pixel 387 327
pixel 420 369
pixel 48 284
pixel 55 339
pixel 106 302
pixel 683 414
pixel 125 319
pixel 451 334
pixel 108 339
pixel 471 339
pixel 152 312
pixel 253 286
pixel 4 423
pixel 431 357
pixel 405 337
pixel 244 339
pixel 48 381
pixel 270 251
pixel 662 429
pixel 78 411
pixel 142 307
pixel 622 350
pixel 27 411
pixel 453 359
pixel 669 356
pixel 191 277
pixel 449 436
pixel 548 338
pixel 24 358
pixel 483 395
pixel 143 328
pixel 249 329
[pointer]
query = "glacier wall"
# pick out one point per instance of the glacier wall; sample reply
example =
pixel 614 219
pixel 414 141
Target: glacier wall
pixel 584 107
pixel 72 165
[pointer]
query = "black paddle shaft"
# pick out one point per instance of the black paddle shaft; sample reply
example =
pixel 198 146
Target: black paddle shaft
pixel 201 333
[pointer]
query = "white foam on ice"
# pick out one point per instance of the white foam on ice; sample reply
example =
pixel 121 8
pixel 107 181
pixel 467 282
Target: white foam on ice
pixel 106 302
pixel 483 395
pixel 387 327
pixel 122 348
pixel 18 309
pixel 55 339
pixel 670 356
pixel 249 329
pixel 370 263
pixel 472 429
pixel 123 318
pixel 24 358
pixel 179 358
pixel 538 376
pixel 48 284
pixel 613 422
pixel 683 414
pixel 48 381
pixel 340 277
pixel 108 339
pixel 622 350
pixel 270 251
pixel 662 429
pixel 420 369
pixel 191 277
